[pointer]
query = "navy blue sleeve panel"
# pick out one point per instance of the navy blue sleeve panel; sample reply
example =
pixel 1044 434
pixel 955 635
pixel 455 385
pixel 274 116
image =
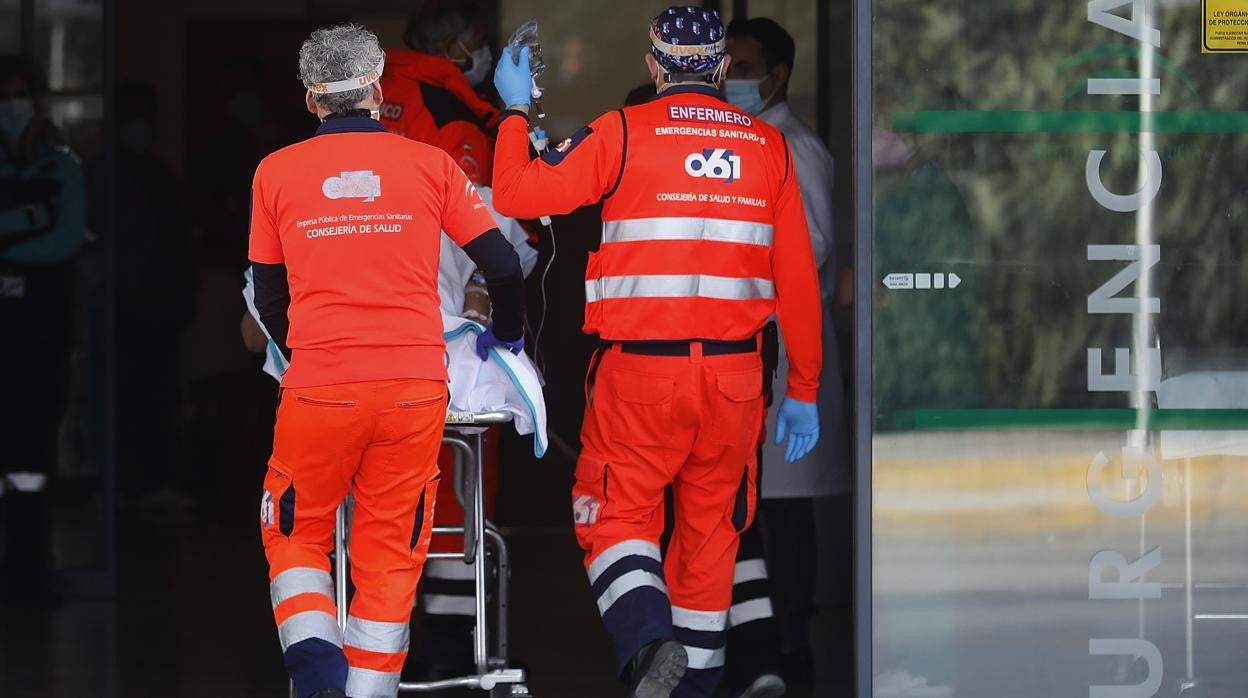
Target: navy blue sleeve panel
pixel 555 155
pixel 273 302
pixel 499 264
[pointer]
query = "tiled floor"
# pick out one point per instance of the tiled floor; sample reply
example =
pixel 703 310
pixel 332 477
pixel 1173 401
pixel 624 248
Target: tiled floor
pixel 192 618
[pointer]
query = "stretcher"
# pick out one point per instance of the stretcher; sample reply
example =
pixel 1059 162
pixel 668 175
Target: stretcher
pixel 463 436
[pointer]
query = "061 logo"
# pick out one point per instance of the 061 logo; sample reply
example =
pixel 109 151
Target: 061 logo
pixel 715 163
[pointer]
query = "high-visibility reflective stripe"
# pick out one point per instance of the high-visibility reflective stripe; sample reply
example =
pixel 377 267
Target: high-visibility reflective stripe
pixel 376 636
pixel 448 569
pixel 749 571
pixel 366 683
pixel 27 482
pixel 300 580
pixel 704 621
pixel 709 229
pixel 729 288
pixel 702 658
pixel 749 611
pixel 619 551
pixel 627 582
pixel 309 624
pixel 449 605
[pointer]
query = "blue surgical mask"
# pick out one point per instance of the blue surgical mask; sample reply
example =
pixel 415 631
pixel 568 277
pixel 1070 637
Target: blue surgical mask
pixel 743 93
pixel 479 63
pixel 15 116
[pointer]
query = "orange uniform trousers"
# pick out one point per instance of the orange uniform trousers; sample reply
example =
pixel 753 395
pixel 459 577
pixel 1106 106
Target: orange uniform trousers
pixel 379 441
pixel 691 422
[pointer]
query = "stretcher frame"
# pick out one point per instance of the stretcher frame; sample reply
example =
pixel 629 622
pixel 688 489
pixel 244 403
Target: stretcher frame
pixel 464 435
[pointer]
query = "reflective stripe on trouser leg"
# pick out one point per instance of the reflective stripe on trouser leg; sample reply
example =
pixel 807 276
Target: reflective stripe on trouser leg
pixel 448 596
pixel 25 482
pixel 447 589
pixel 627 581
pixel 382 646
pixel 750 598
pixel 307 627
pixel 702 634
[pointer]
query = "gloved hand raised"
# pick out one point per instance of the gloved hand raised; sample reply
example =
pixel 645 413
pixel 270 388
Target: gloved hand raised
pixel 486 339
pixel 513 80
pixel 801 421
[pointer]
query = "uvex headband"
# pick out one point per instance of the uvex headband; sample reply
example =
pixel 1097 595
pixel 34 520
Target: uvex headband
pixel 372 76
pixel 688 39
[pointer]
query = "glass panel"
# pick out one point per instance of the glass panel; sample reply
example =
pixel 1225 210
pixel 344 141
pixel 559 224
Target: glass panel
pixel 798 18
pixel 68 43
pixel 1061 364
pixel 10 26
pixel 54 307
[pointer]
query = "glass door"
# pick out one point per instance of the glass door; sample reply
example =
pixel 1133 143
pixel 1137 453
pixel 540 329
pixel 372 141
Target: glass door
pixel 1059 365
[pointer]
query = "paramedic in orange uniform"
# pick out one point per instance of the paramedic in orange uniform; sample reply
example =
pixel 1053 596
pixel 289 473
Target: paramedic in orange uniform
pixel 429 88
pixel 345 235
pixel 704 238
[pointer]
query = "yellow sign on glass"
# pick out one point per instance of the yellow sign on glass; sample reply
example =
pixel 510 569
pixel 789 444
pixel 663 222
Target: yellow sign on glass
pixel 1225 28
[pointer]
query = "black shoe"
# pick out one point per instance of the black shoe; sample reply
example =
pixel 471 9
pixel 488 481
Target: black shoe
pixel 657 668
pixel 329 693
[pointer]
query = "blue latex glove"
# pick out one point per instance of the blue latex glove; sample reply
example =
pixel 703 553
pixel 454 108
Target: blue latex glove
pixel 801 421
pixel 513 80
pixel 486 339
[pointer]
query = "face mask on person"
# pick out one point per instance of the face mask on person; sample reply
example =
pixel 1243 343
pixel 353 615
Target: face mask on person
pixel 15 116
pixel 479 63
pixel 743 93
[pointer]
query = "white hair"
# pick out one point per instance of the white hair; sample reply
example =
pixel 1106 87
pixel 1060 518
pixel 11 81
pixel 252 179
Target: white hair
pixel 339 53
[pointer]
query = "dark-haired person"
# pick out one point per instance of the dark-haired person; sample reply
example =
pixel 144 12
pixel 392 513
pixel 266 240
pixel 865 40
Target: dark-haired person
pixel 758 81
pixel 42 223
pixel 430 87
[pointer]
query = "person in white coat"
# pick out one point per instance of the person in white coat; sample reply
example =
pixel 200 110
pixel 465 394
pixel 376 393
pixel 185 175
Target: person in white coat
pixel 773 599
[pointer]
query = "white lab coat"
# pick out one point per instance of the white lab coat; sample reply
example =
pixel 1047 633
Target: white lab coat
pixel 825 470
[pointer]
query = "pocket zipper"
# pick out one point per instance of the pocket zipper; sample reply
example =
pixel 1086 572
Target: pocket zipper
pixel 420 403
pixel 324 403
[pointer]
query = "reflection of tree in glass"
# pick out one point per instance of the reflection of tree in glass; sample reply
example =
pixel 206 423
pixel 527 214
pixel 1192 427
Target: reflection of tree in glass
pixel 926 341
pixel 1027 202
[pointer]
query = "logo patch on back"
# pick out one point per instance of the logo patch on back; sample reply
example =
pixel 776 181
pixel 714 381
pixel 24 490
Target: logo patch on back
pixel 714 163
pixel 358 184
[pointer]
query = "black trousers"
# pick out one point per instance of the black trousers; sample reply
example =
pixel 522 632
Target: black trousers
pixel 36 337
pixel 784 538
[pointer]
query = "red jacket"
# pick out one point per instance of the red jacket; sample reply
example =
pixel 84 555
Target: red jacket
pixel 704 235
pixel 429 100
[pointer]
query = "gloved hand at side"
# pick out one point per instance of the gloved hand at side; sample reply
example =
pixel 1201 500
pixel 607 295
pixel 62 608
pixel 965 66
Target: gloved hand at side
pixel 799 420
pixel 513 80
pixel 486 339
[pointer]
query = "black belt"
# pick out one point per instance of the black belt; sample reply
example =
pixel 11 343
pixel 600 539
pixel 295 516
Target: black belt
pixel 681 348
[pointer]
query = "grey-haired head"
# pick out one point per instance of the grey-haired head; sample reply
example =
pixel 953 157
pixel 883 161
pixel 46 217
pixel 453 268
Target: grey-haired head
pixel 341 53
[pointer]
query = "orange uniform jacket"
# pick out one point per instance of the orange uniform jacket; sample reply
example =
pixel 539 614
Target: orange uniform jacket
pixel 704 235
pixel 429 100
pixel 355 214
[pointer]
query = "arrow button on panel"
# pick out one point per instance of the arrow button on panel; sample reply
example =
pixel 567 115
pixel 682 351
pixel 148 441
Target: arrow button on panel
pixel 923 281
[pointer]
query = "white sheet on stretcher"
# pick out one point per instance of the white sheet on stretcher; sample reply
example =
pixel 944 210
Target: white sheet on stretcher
pixel 504 383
